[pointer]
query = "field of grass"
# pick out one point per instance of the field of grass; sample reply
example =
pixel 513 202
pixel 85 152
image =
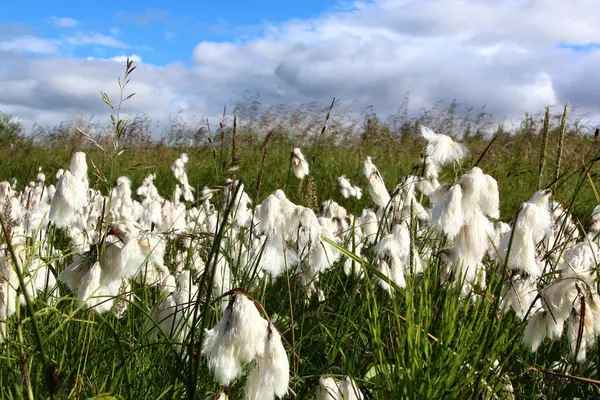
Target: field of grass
pixel 421 340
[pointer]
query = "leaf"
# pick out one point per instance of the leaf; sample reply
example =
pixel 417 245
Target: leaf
pixel 106 99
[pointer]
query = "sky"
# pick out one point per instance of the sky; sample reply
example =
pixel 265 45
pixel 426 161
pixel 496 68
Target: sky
pixel 511 56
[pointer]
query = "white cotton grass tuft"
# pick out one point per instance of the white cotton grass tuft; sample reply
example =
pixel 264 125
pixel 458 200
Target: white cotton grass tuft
pixel 569 299
pixel 70 198
pixel 270 376
pixel 461 212
pixel 428 182
pixel 173 314
pixel 349 190
pixel 238 337
pixel 533 223
pixel 78 167
pixel 377 190
pixel 9 282
pixel 299 163
pixel 332 389
pixel 447 212
pixel 441 149
pixel 594 229
pixel 178 168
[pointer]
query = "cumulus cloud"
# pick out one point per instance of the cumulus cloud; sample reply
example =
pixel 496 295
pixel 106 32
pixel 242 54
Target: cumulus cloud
pixel 514 56
pixel 64 22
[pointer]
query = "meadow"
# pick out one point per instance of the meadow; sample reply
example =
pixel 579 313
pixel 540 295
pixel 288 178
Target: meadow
pixel 225 275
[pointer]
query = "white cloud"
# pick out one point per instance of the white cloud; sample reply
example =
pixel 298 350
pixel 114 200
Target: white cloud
pixel 29 44
pixel 504 54
pixel 114 31
pixel 79 39
pixel 120 59
pixel 64 22
pixel 170 35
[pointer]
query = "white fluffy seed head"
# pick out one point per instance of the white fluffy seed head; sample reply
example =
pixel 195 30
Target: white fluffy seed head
pixel 441 149
pixel 299 164
pixel 270 375
pixel 447 212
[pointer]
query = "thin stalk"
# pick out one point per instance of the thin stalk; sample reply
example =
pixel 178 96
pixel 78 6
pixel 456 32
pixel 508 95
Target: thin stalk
pixel 544 146
pixel 561 141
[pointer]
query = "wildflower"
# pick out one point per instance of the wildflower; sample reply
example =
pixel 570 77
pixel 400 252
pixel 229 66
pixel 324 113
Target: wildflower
pixel 299 164
pixel 238 337
pixel 441 149
pixel 347 189
pixel 270 375
pixel 70 197
pixel 377 188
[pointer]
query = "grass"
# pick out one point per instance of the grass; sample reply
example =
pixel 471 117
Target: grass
pixel 422 342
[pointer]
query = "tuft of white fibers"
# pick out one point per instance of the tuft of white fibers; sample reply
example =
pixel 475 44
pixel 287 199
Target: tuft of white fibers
pixel 558 299
pixel 521 296
pixel 323 255
pixel 248 329
pixel 594 228
pixel 70 197
pixel 369 225
pixel 147 190
pixel 240 213
pixel 98 290
pixel 349 390
pixel 78 167
pixel 377 190
pixel 441 149
pixel 588 334
pixel 470 246
pixel 564 229
pixel 500 229
pixel 535 215
pixel 275 257
pixel 347 189
pixel 328 389
pixel 269 214
pixel 238 337
pixel 536 330
pixel 121 204
pixel 580 262
pixel 178 168
pixel 331 389
pixel 533 223
pixel 9 283
pixel 173 314
pixel 355 246
pixel 428 183
pixel 490 198
pixel 74 272
pixel 447 212
pixel 307 229
pixel 270 376
pixel 299 164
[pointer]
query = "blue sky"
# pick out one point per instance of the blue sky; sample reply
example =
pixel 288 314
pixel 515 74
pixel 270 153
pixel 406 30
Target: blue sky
pixel 159 35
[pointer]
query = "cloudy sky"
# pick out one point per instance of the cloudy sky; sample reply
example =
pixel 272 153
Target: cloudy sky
pixel 514 56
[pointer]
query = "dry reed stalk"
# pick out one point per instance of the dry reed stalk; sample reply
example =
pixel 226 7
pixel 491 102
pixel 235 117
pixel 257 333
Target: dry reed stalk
pixel 561 141
pixel 544 146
